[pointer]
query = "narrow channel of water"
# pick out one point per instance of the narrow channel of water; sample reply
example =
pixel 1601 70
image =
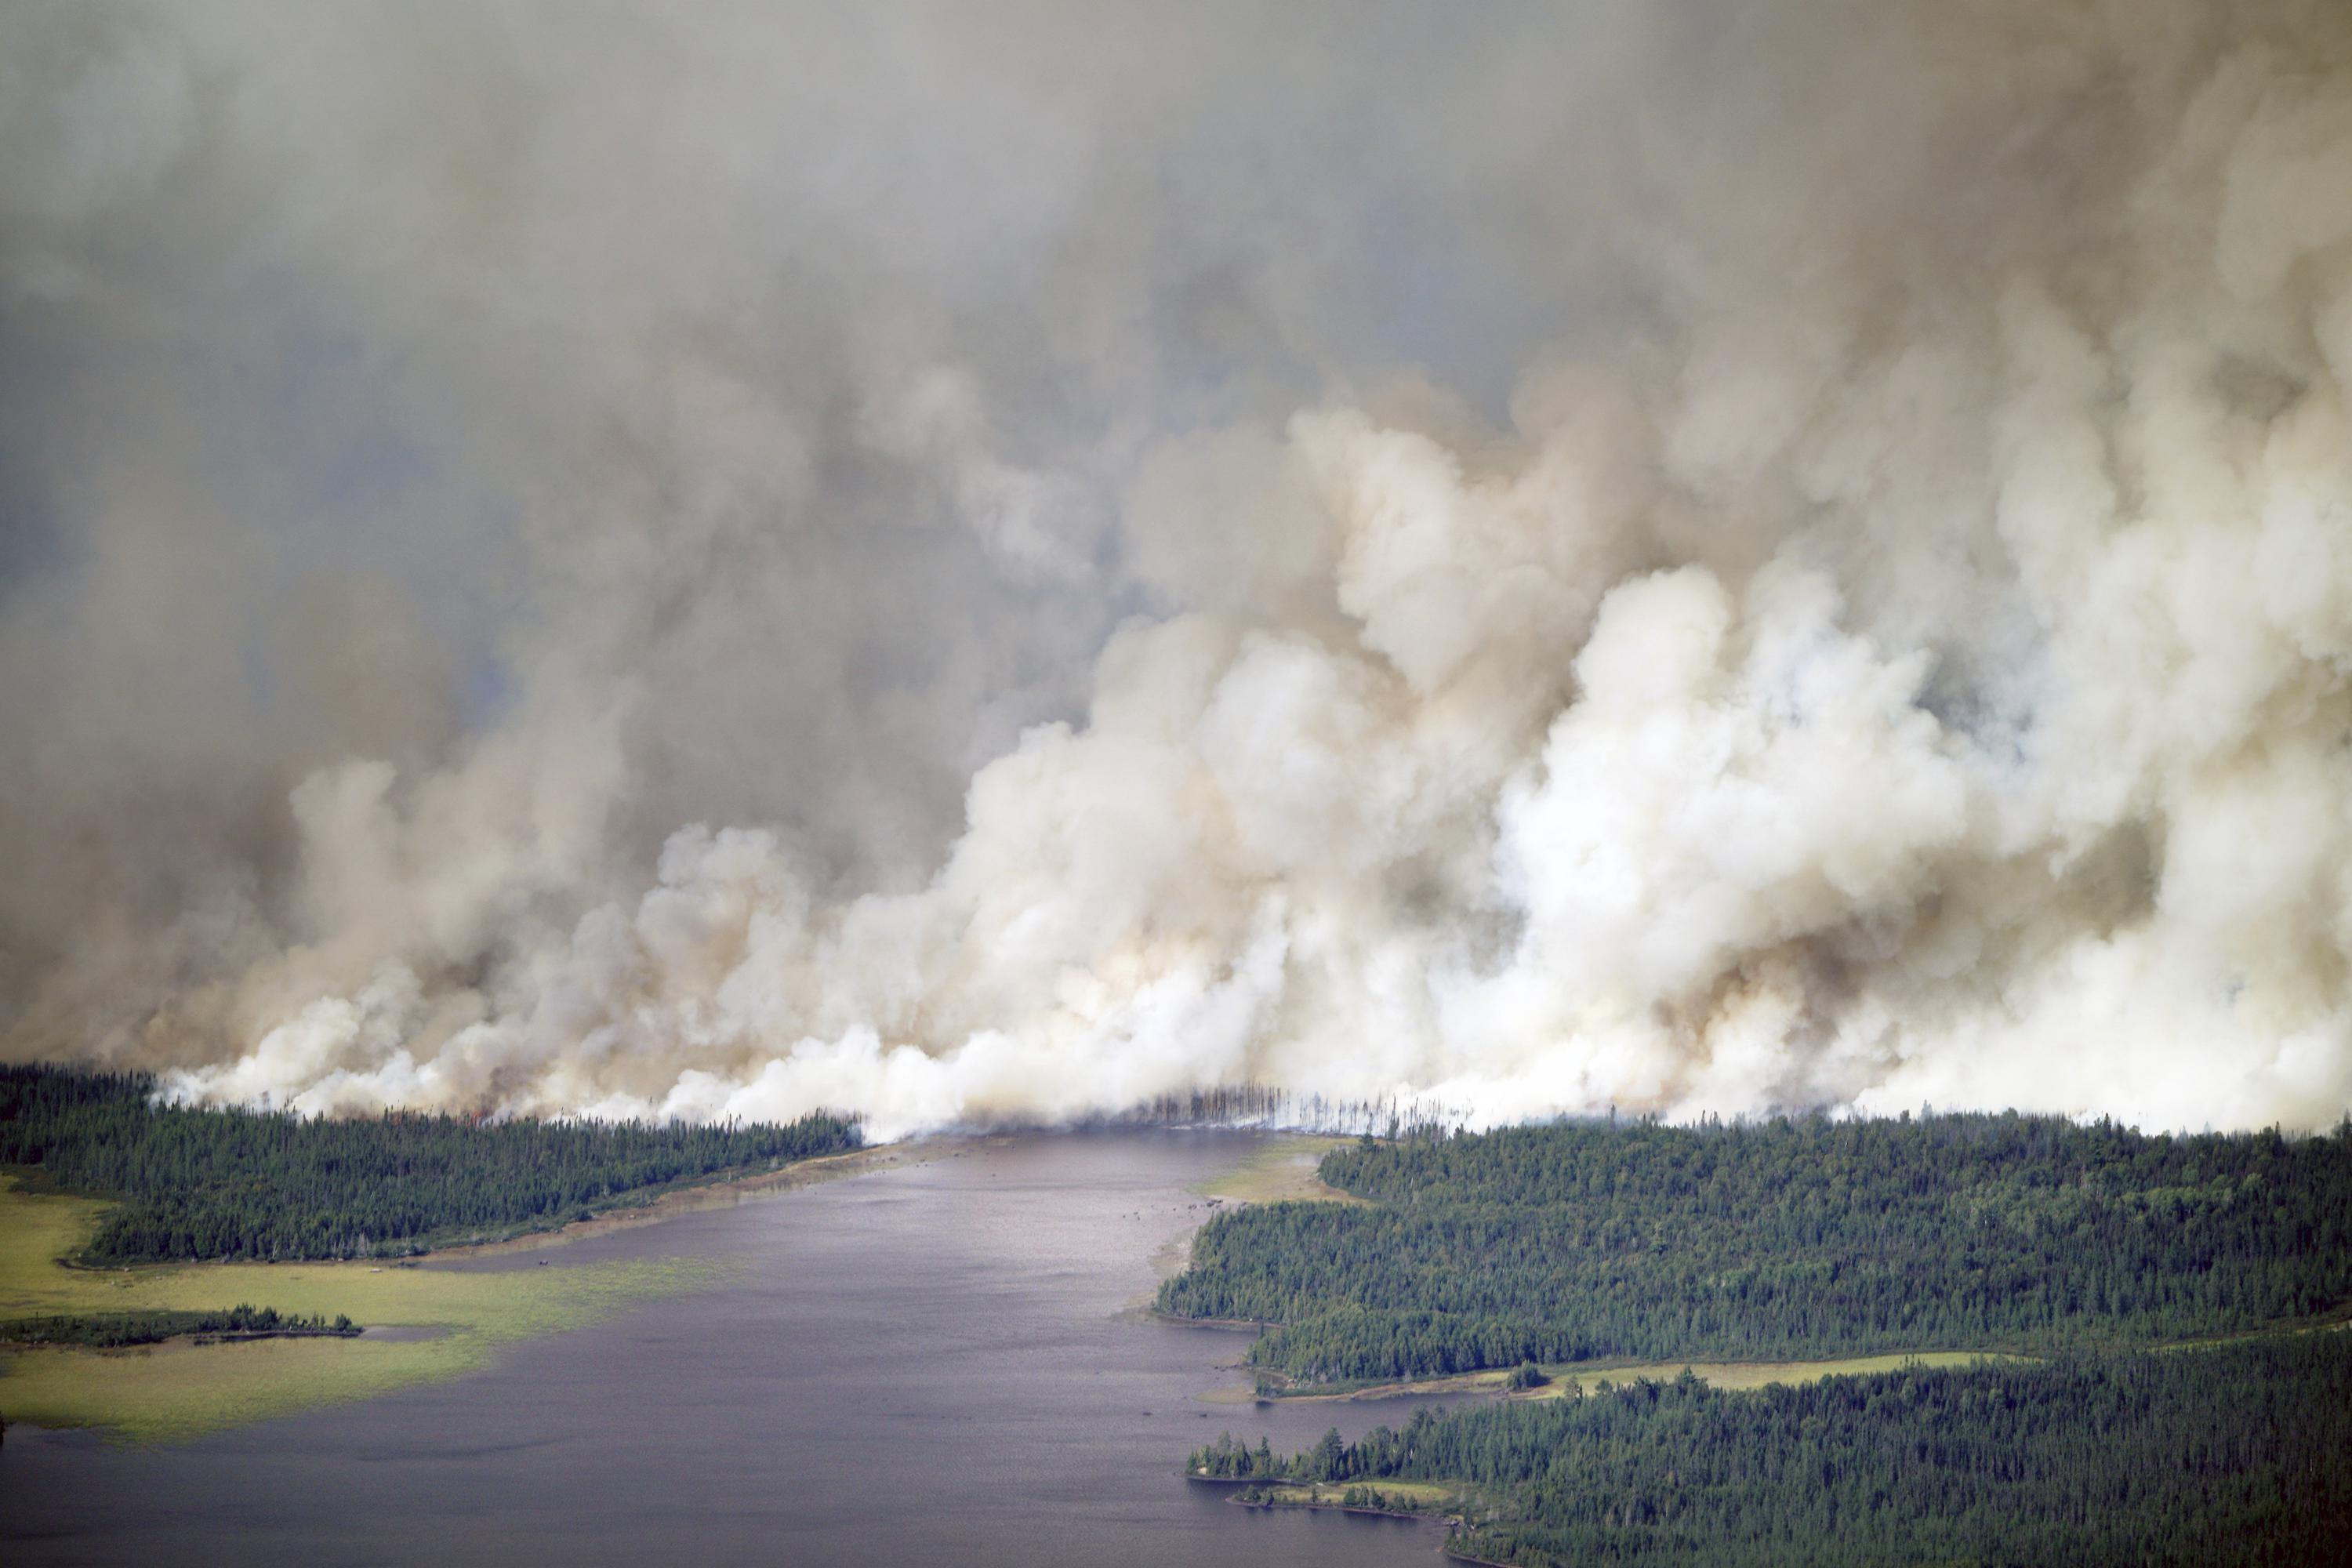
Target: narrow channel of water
pixel 927 1364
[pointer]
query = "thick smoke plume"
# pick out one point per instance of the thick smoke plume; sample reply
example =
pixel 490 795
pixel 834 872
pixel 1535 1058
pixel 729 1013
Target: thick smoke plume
pixel 1008 560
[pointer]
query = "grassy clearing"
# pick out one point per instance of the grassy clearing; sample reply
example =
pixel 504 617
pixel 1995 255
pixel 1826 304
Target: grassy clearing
pixel 1590 1374
pixel 1282 1171
pixel 165 1393
pixel 1285 1170
pixel 1752 1374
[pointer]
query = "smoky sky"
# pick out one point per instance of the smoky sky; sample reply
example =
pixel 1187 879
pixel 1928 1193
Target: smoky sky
pixel 956 561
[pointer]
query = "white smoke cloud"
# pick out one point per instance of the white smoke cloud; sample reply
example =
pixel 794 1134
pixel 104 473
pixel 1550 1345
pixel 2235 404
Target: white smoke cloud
pixel 1891 643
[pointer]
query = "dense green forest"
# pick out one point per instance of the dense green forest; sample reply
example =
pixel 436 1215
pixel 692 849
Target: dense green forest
pixel 2230 1454
pixel 110 1330
pixel 270 1184
pixel 1787 1239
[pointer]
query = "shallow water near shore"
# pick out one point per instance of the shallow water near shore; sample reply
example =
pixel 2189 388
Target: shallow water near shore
pixel 939 1362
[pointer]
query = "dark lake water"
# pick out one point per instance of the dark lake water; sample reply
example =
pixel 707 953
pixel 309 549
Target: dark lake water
pixel 931 1364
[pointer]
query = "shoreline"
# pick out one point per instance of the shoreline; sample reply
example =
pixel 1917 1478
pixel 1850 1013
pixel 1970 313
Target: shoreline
pixel 1179 1321
pixel 1342 1508
pixel 1288 1169
pixel 1446 1506
pixel 1451 1523
pixel 689 1197
pixel 650 1205
pixel 1283 1171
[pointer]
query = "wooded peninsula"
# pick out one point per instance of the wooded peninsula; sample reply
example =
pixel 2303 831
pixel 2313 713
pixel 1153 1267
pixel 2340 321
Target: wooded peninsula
pixel 205 1183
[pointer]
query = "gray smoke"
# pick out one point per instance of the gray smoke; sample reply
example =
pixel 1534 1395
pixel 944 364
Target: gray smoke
pixel 959 562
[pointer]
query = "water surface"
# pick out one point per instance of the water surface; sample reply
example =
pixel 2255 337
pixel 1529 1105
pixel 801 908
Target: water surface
pixel 939 1363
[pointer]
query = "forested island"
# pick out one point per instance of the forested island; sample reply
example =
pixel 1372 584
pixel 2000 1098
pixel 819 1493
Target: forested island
pixel 2178 1389
pixel 204 1183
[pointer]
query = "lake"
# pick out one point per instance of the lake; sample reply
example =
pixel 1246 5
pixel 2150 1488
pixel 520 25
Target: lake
pixel 935 1362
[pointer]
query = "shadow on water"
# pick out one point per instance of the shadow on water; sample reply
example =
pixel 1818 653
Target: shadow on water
pixel 935 1362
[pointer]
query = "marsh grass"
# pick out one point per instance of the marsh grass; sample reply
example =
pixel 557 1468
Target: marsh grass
pixel 1282 1171
pixel 178 1390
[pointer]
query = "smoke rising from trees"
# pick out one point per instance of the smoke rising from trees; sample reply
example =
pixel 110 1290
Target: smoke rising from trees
pixel 967 561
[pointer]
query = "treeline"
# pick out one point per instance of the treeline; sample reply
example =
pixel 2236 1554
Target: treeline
pixel 205 1184
pixel 1257 1105
pixel 2226 1455
pixel 109 1331
pixel 1788 1240
pixel 1226 1461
